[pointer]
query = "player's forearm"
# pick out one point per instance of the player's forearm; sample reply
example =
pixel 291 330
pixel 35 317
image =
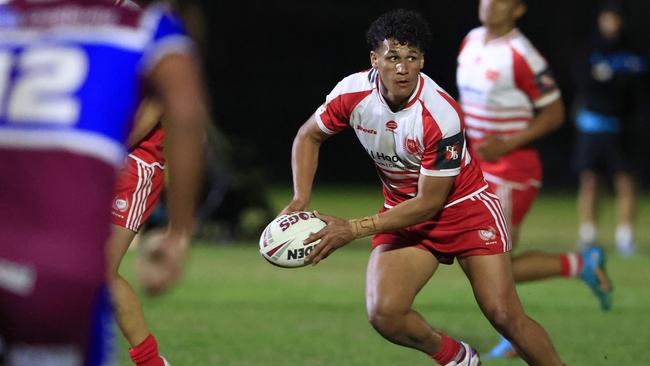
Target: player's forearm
pixel 405 214
pixel 184 153
pixel 146 118
pixel 304 163
pixel 547 120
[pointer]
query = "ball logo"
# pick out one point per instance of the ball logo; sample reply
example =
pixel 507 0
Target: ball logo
pixel 121 204
pixel 286 222
pixel 492 75
pixel 412 146
pixel 391 125
pixel 487 234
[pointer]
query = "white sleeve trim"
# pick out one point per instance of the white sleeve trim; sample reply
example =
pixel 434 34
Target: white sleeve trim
pixel 321 125
pixel 547 99
pixel 440 173
pixel 176 44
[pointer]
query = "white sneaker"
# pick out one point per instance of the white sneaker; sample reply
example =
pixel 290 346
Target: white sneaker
pixel 466 357
pixel 165 361
pixel 626 248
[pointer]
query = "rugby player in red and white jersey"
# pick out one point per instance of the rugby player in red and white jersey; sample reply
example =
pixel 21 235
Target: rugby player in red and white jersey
pixel 137 191
pixel 510 99
pixel 436 208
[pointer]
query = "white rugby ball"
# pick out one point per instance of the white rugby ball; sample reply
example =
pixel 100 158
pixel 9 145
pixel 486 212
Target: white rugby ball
pixel 281 242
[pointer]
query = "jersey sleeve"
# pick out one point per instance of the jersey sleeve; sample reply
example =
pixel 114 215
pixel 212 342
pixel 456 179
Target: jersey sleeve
pixel 444 142
pixel 334 115
pixel 168 36
pixel 534 77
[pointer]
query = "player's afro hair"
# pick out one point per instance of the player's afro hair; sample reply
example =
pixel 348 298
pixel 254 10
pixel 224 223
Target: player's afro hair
pixel 402 25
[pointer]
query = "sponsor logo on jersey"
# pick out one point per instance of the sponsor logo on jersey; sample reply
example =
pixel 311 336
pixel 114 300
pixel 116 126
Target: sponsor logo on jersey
pixel 366 130
pixel 121 204
pixel 376 155
pixel 492 75
pixel 451 152
pixel 412 146
pixel 488 235
pixel 391 126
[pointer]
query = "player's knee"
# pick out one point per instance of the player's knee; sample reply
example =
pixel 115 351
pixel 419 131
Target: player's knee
pixel 387 320
pixel 504 318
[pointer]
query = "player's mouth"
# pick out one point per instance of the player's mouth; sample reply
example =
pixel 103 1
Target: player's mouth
pixel 403 83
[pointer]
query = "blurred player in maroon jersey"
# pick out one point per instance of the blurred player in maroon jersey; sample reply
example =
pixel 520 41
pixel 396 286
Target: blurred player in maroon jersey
pixel 71 73
pixel 510 100
pixel 436 204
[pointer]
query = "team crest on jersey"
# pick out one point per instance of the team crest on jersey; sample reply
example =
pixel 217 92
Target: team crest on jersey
pixel 391 126
pixel 451 152
pixel 412 146
pixel 488 235
pixel 492 75
pixel 121 204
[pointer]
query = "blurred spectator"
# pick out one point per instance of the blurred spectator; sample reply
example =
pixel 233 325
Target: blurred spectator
pixel 609 85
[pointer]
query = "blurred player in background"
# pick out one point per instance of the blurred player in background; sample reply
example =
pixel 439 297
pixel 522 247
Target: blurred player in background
pixel 69 85
pixel 138 189
pixel 609 79
pixel 436 208
pixel 510 100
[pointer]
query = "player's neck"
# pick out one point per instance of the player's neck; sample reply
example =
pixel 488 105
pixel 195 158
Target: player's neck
pixel 493 32
pixel 395 104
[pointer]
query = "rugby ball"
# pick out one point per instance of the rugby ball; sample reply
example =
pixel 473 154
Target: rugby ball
pixel 281 242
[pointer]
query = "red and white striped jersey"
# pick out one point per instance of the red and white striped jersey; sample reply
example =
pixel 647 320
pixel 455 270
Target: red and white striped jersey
pixel 501 82
pixel 426 137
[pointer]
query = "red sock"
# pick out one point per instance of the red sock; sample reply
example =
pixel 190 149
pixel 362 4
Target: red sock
pixel 571 264
pixel 448 350
pixel 146 353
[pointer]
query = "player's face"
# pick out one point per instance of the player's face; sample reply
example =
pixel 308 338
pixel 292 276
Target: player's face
pixel 500 12
pixel 609 24
pixel 399 66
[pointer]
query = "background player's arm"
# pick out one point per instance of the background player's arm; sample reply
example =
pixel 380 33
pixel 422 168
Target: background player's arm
pixel 547 119
pixel 176 78
pixel 431 197
pixel 147 117
pixel 304 162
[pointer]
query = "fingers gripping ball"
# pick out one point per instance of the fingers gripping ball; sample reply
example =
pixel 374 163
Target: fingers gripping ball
pixel 281 242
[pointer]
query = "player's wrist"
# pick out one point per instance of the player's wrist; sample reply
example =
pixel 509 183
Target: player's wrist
pixel 365 226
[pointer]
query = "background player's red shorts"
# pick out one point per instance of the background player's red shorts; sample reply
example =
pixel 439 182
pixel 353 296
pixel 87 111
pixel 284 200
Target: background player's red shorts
pixel 472 227
pixel 516 198
pixel 137 192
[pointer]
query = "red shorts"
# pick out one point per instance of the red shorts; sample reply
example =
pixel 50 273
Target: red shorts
pixel 475 226
pixel 137 192
pixel 516 198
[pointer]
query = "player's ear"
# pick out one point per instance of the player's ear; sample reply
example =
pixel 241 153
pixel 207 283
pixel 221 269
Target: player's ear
pixel 520 10
pixel 373 59
pixel 422 62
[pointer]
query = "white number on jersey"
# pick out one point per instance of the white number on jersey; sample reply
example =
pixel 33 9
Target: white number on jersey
pixel 47 78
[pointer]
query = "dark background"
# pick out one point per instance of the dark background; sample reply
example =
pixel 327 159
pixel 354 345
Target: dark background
pixel 270 64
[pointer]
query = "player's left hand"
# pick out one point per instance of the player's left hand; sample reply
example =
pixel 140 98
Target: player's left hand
pixel 492 148
pixel 336 234
pixel 160 264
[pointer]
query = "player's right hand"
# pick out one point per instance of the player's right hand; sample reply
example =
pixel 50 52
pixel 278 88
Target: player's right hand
pixel 160 263
pixel 293 206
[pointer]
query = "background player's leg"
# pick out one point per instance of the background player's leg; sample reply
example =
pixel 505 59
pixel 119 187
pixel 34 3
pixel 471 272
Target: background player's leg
pixel 393 279
pixel 128 310
pixel 624 186
pixel 494 290
pixel 587 201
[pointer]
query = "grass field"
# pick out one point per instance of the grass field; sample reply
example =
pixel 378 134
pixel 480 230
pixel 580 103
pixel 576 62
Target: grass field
pixel 234 309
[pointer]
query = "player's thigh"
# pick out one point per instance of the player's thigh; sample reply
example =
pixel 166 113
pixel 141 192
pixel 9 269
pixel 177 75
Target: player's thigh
pixel 492 283
pixel 395 275
pixel 117 246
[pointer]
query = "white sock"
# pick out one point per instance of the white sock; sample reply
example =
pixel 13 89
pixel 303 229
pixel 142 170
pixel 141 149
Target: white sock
pixel 587 233
pixel 624 236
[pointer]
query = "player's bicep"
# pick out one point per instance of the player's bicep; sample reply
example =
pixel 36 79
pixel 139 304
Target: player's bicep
pixel 434 190
pixel 177 81
pixel 313 130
